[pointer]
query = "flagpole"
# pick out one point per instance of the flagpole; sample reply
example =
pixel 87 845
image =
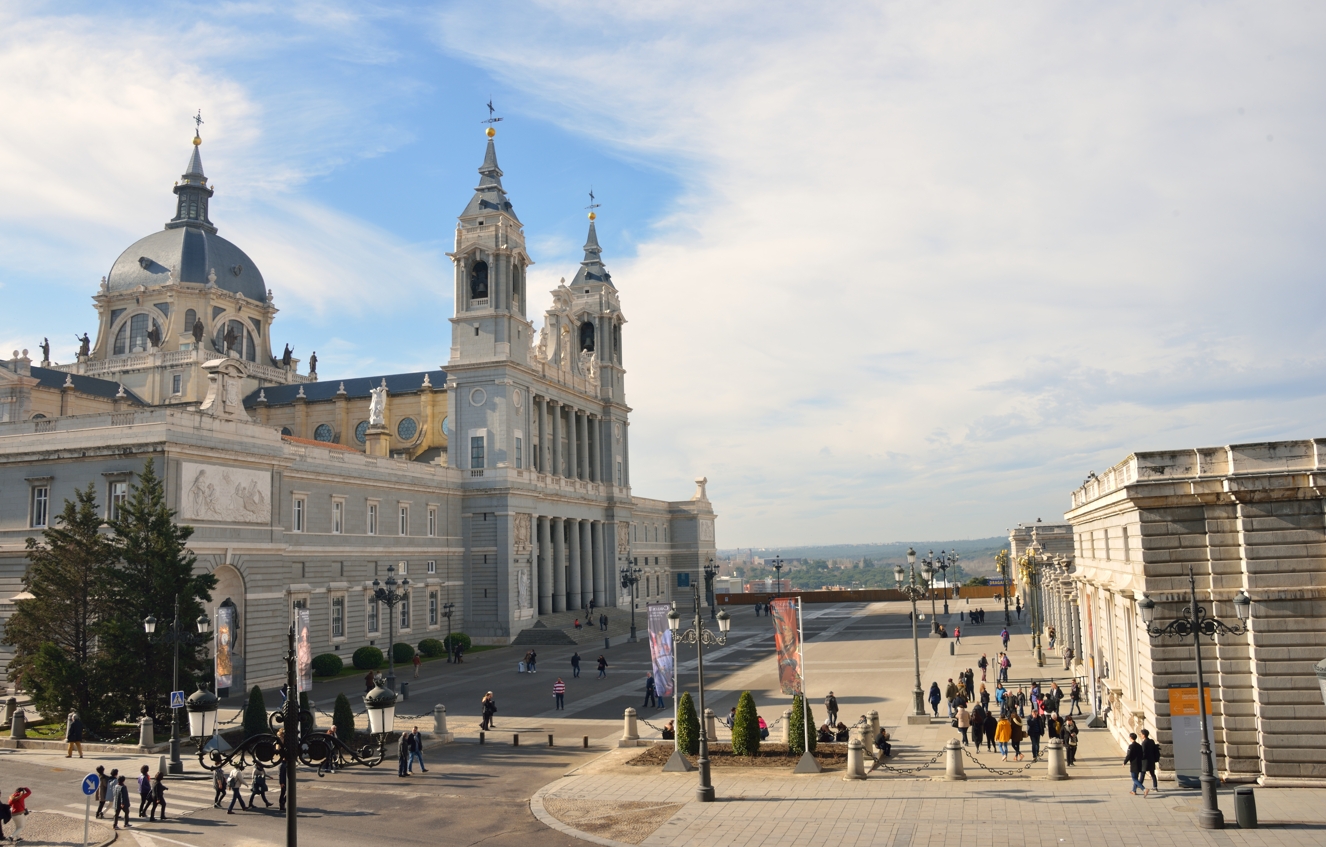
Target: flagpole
pixel 801 655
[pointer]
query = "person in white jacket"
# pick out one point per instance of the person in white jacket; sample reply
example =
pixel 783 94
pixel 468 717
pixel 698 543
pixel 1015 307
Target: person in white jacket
pixel 235 781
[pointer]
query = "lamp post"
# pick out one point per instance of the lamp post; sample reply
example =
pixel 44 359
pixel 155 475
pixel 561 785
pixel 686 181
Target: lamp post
pixel 176 637
pixel 289 745
pixel 913 592
pixel 1001 567
pixel 1196 623
pixel 449 608
pixel 778 574
pixel 387 594
pixel 630 576
pixel 1030 566
pixel 710 571
pixel 928 572
pixel 946 561
pixel 699 636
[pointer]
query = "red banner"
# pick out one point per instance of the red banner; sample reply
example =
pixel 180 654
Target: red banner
pixel 787 643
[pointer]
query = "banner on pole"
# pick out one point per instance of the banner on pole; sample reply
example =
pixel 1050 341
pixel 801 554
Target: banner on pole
pixel 660 647
pixel 787 643
pixel 225 637
pixel 303 652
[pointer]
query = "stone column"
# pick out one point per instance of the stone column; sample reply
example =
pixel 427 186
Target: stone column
pixel 559 566
pixel 586 564
pixel 591 448
pixel 600 576
pixel 582 454
pixel 573 564
pixel 545 568
pixel 555 465
pixel 537 434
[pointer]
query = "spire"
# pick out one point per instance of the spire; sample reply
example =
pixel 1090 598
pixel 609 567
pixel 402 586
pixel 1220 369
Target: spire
pixel 591 268
pixel 195 168
pixel 489 195
pixel 192 192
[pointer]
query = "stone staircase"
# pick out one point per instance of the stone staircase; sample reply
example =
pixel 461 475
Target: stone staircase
pixel 558 629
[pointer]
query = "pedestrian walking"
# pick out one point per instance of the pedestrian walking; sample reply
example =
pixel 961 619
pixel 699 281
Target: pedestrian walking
pixel 951 695
pixel 219 787
pixel 831 707
pixel 1004 664
pixel 1019 608
pixel 18 812
pixel 368 682
pixel 158 797
pixel 969 682
pixel 1075 698
pixel 963 723
pixel 983 663
pixel 1070 743
pixel 280 776
pixel 1018 732
pixel 1068 656
pixel 1151 754
pixel 1003 735
pixel 103 790
pixel 235 781
pixel 403 755
pixel 73 735
pixel 488 707
pixel 1051 633
pixel 957 635
pixel 259 788
pixel 533 661
pixel 991 724
pixel 1003 636
pixel 1135 759
pixel 977 726
pixel 525 663
pixel 144 790
pixel 984 697
pixel 559 693
pixel 417 750
pixel 603 667
pixel 604 619
pixel 651 691
pixel 417 663
pixel 1035 729
pixel 119 800
pixel 935 697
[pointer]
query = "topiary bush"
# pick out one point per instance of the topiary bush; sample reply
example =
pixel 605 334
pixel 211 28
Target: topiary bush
pixel 402 652
pixel 746 727
pixel 688 726
pixel 431 648
pixel 457 638
pixel 796 727
pixel 255 714
pixel 327 664
pixel 367 658
pixel 343 718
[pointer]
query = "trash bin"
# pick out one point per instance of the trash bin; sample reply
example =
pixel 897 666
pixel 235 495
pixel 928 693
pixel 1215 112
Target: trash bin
pixel 1245 807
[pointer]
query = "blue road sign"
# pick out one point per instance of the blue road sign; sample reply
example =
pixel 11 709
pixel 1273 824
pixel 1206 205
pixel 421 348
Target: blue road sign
pixel 177 699
pixel 90 783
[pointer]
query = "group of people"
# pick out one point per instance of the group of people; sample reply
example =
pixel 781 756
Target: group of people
pixel 234 782
pixel 532 659
pixel 410 749
pixel 1009 717
pixel 1141 759
pixel 1002 663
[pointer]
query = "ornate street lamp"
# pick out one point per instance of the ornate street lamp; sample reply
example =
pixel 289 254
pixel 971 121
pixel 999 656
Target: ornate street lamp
pixel 448 609
pixel 176 636
pixel 710 571
pixel 1196 623
pixel 945 561
pixel 778 574
pixel 928 572
pixel 699 636
pixel 1001 567
pixel 912 592
pixel 630 576
pixel 389 596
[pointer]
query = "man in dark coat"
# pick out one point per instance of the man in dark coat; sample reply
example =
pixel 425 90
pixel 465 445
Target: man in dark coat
pixel 1135 759
pixel 1150 752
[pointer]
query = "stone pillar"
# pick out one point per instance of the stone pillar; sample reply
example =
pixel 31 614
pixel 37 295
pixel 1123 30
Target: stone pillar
pixel 600 575
pixel 582 453
pixel 711 725
pixel 573 572
pixel 537 435
pixel 856 760
pixel 545 568
pixel 591 446
pixel 555 454
pixel 787 726
pixel 953 760
pixel 440 724
pixel 586 564
pixel 18 725
pixel 1054 757
pixel 630 735
pixel 559 565
pixel 146 733
pixel 873 717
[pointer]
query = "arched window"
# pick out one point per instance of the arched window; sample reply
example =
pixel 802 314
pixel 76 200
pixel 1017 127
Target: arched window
pixel 190 318
pixel 517 276
pixel 587 335
pixel 242 338
pixel 479 280
pixel 617 343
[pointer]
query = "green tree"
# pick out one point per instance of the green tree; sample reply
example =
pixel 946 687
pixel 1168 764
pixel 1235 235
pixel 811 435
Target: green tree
pixel 688 725
pixel 343 718
pixel 154 568
pixel 58 657
pixel 746 727
pixel 796 727
pixel 255 714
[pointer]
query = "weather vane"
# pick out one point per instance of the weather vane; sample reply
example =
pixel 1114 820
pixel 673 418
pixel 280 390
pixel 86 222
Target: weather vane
pixel 592 205
pixel 491 110
pixel 198 120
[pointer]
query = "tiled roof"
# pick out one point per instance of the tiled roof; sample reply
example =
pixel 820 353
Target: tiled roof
pixel 310 442
pixel 407 383
pixel 49 378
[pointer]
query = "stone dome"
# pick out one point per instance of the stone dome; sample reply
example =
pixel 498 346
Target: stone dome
pixel 195 253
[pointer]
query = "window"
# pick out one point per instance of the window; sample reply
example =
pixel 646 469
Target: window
pixel 619 473
pixel 338 517
pixel 407 429
pixel 323 432
pixel 432 566
pixel 190 318
pixel 405 612
pixel 476 451
pixel 297 515
pixel 432 523
pixel 432 607
pixel 41 505
pixel 372 614
pixel 176 383
pixel 405 520
pixel 520 458
pixel 402 568
pixel 479 280
pixel 338 617
pixel 119 493
pixel 372 518
pixel 361 431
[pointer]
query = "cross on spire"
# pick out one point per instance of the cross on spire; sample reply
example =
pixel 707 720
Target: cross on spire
pixel 592 205
pixel 198 121
pixel 491 117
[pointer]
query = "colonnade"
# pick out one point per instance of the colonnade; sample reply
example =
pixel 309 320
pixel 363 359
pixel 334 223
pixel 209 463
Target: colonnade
pixel 1059 605
pixel 580 457
pixel 572 565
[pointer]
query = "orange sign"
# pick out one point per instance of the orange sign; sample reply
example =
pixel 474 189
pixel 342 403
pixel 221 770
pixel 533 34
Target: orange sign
pixel 1183 701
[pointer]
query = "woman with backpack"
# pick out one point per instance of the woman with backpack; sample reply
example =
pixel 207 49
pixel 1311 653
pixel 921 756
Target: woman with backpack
pixel 158 797
pixel 235 781
pixel 259 786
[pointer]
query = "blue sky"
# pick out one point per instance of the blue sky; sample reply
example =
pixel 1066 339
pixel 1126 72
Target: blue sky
pixel 891 269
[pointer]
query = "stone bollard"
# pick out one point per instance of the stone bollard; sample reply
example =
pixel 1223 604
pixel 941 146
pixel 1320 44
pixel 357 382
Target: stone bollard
pixel 787 727
pixel 18 727
pixel 953 760
pixel 856 760
pixel 711 724
pixel 1054 757
pixel 146 734
pixel 10 705
pixel 873 717
pixel 440 724
pixel 630 734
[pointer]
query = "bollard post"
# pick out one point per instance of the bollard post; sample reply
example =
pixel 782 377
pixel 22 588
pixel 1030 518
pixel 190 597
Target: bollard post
pixel 515 739
pixel 405 691
pixel 951 648
pixel 585 741
pixel 607 643
pixel 630 734
pixel 10 705
pixel 146 735
pixel 711 725
pixel 18 727
pixel 480 736
pixel 787 726
pixel 873 717
pixel 1054 757
pixel 953 760
pixel 440 724
pixel 856 760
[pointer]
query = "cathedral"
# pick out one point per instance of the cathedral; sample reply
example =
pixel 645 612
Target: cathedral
pixel 499 487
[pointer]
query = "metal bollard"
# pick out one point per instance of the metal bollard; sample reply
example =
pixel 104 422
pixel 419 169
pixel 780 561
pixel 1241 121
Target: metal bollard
pixel 550 739
pixel 1245 807
pixel 405 691
pixel 515 739
pixel 146 734
pixel 711 724
pixel 607 643
pixel 856 760
pixel 18 727
pixel 630 734
pixel 586 741
pixel 787 727
pixel 1056 760
pixel 951 648
pixel 953 760
pixel 481 736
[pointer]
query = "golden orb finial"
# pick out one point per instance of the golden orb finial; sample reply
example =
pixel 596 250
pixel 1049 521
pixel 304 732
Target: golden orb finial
pixel 592 216
pixel 196 140
pixel 490 132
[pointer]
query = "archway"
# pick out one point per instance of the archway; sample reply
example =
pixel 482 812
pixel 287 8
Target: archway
pixel 230 590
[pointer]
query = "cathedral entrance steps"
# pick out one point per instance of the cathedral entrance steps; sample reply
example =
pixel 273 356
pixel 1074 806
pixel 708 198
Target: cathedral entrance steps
pixel 558 628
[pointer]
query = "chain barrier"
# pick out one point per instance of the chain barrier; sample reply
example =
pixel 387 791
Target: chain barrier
pixel 907 771
pixel 999 771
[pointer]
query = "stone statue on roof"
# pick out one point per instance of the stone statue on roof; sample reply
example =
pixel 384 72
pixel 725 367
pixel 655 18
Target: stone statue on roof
pixel 285 357
pixel 197 331
pixel 45 350
pixel 84 346
pixel 313 362
pixel 377 406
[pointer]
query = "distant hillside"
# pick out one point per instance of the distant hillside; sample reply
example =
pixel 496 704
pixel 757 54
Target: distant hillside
pixel 976 555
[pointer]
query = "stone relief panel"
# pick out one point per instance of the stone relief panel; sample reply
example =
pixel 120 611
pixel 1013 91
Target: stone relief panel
pixel 623 538
pixel 522 532
pixel 218 493
pixel 706 530
pixel 522 590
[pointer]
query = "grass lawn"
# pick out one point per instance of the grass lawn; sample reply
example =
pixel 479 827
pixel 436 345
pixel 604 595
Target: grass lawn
pixel 55 732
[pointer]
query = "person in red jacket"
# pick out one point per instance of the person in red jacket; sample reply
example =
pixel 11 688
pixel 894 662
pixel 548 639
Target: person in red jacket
pixel 18 809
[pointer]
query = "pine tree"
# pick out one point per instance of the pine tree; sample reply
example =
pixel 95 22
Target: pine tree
pixel 746 727
pixel 688 725
pixel 154 569
pixel 255 714
pixel 343 718
pixel 796 727
pixel 58 658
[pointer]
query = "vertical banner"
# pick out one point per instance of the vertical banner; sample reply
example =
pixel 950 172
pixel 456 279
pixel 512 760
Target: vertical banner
pixel 303 652
pixel 660 648
pixel 1185 719
pixel 787 643
pixel 225 635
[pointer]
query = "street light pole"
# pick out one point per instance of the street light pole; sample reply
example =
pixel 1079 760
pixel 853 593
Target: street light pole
pixel 928 571
pixel 1001 566
pixel 176 637
pixel 447 609
pixel 913 592
pixel 943 566
pixel 630 576
pixel 778 574
pixel 709 573
pixel 699 636
pixel 1196 623
pixel 388 595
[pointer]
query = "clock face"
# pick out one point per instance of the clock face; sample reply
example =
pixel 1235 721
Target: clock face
pixel 361 430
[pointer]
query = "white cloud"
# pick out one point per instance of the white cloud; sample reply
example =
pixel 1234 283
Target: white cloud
pixel 935 262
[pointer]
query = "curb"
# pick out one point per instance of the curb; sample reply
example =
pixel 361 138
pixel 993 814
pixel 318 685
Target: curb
pixel 545 817
pixel 109 841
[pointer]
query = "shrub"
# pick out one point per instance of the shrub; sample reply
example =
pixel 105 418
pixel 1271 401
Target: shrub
pixel 746 728
pixel 402 652
pixel 688 725
pixel 796 727
pixel 343 718
pixel 255 714
pixel 457 638
pixel 431 648
pixel 367 658
pixel 327 664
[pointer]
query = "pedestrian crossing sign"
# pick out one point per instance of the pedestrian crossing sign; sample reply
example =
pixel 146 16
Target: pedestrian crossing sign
pixel 177 699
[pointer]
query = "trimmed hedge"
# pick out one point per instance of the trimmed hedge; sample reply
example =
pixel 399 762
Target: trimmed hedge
pixel 255 714
pixel 688 726
pixel 746 727
pixel 796 728
pixel 431 648
pixel 458 638
pixel 367 658
pixel 402 652
pixel 327 664
pixel 343 718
